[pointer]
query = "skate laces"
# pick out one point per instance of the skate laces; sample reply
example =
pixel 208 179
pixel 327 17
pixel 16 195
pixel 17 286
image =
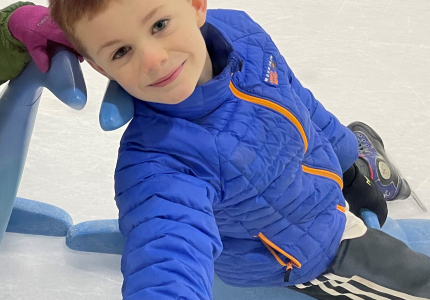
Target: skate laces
pixel 363 145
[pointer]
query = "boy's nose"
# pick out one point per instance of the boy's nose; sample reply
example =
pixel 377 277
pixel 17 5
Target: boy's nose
pixel 153 58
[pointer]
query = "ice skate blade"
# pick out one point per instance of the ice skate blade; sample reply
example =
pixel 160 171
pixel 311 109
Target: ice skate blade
pixel 418 201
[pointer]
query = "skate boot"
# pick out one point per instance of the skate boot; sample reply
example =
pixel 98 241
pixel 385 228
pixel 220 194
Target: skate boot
pixel 374 163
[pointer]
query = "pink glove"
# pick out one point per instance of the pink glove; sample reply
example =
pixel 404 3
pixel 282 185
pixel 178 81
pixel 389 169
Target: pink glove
pixel 32 25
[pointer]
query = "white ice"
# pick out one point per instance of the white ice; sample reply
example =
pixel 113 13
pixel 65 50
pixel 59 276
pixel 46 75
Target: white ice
pixel 364 60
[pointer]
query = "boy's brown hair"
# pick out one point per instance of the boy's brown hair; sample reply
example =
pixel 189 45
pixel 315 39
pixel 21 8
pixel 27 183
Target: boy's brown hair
pixel 66 13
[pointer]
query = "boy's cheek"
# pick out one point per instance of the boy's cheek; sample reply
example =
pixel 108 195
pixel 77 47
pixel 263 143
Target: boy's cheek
pixel 128 87
pixel 99 69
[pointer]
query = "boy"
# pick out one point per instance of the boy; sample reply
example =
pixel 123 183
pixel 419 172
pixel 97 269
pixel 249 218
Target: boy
pixel 231 175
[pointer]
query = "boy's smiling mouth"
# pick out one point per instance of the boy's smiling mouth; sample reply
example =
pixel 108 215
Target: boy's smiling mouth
pixel 169 78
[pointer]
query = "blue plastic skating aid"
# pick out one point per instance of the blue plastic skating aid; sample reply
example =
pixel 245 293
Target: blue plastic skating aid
pixel 96 236
pixel 418 234
pixel 103 236
pixel 19 102
pixel 369 218
pixel 100 236
pixel 117 107
pixel 34 217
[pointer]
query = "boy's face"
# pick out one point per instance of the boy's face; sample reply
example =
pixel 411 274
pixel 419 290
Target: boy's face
pixel 153 48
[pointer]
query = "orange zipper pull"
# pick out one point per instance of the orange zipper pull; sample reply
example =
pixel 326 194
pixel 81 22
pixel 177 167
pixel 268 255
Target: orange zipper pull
pixel 289 267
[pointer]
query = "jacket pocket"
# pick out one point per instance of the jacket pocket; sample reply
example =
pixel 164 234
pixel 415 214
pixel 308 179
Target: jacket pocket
pixel 324 173
pixel 327 174
pixel 274 249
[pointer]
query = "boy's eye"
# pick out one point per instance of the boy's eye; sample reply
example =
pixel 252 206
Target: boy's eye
pixel 160 25
pixel 120 53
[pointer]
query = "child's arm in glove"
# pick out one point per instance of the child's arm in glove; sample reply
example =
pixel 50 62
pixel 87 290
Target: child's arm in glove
pixel 27 30
pixel 13 53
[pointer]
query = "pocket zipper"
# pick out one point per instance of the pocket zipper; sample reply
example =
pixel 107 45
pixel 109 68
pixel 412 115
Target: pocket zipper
pixel 272 247
pixel 324 173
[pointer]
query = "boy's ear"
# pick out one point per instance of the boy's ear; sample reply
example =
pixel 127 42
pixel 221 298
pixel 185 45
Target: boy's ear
pixel 99 69
pixel 201 7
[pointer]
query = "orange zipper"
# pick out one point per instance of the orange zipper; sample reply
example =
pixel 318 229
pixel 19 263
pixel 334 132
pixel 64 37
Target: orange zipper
pixel 329 175
pixel 272 247
pixel 324 173
pixel 276 107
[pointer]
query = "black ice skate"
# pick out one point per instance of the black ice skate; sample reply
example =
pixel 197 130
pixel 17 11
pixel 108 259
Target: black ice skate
pixel 374 163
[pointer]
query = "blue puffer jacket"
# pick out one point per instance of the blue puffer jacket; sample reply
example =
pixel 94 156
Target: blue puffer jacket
pixel 240 178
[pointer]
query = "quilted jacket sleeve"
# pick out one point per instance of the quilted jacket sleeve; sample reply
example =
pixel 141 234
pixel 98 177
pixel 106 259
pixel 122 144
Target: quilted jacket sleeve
pixel 171 236
pixel 13 53
pixel 341 138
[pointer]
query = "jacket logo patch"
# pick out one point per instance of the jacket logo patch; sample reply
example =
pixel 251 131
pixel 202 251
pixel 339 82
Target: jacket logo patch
pixel 270 71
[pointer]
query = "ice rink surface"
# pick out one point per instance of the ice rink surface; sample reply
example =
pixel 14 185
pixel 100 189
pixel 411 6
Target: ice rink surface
pixel 364 60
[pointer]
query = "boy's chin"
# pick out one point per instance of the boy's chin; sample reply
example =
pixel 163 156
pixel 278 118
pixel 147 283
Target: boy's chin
pixel 176 96
pixel 172 97
pixel 166 100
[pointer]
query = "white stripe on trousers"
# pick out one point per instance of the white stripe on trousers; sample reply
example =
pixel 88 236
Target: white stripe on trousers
pixel 338 281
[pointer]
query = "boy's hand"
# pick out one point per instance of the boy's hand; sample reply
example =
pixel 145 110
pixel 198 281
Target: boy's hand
pixel 32 25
